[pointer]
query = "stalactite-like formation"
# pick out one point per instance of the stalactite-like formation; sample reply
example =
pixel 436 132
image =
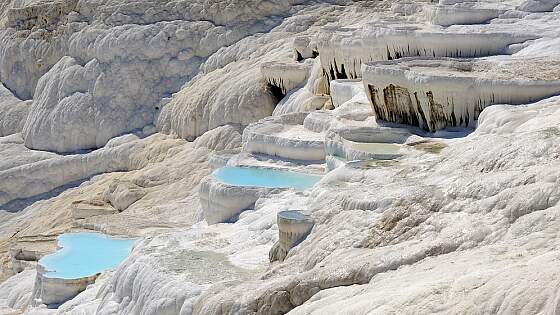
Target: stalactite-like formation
pixel 450 95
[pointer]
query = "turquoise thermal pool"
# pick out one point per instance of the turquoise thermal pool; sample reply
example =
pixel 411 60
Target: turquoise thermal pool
pixel 265 177
pixel 292 215
pixel 85 254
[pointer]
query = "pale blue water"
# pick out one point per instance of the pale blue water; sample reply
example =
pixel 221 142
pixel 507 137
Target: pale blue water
pixel 85 254
pixel 292 215
pixel 265 177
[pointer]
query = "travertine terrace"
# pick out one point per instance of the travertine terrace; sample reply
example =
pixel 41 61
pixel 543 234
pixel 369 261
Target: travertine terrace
pixel 418 140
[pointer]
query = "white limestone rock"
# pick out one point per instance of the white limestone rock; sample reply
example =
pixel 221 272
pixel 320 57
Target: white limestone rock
pixel 467 229
pixel 538 5
pixel 305 47
pixel 343 51
pixel 15 293
pixel 15 154
pixel 121 194
pixel 43 175
pixel 55 291
pixel 57 121
pixel 464 13
pixel 221 159
pixel 407 8
pixel 435 94
pixel 13 112
pixel 348 114
pixel 84 302
pixel 293 227
pixel 222 138
pixel 312 96
pixel 115 142
pixel 232 95
pixel 366 143
pixel 285 137
pixel 82 209
pixel 231 88
pixel 132 59
pixel 223 203
pixel 423 221
pixel 343 91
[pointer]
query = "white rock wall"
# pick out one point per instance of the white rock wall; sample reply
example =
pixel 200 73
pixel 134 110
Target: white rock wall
pixel 13 112
pixel 434 101
pixel 343 51
pixel 140 56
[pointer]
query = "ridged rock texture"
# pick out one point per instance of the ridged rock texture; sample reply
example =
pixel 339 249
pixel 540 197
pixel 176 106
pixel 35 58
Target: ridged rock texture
pixel 434 126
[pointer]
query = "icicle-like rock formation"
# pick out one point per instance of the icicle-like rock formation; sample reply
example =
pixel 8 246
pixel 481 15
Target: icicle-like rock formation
pixel 284 77
pixel 468 215
pixel 435 94
pixel 343 51
pixel 310 97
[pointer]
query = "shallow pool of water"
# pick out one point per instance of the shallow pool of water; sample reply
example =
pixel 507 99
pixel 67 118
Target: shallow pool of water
pixel 292 215
pixel 265 177
pixel 85 254
pixel 376 148
pixel 370 164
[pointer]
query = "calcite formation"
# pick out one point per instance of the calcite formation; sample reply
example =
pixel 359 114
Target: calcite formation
pixel 284 136
pixel 293 227
pixel 343 51
pixel 448 14
pixel 13 112
pixel 55 291
pixel 365 143
pixel 223 202
pixel 284 77
pixel 434 125
pixel 83 209
pixel 435 94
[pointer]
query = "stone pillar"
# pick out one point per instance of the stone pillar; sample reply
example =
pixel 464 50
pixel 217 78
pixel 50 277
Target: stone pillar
pixel 293 228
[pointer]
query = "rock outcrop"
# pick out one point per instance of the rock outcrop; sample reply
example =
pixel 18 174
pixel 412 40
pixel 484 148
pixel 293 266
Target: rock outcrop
pixel 434 126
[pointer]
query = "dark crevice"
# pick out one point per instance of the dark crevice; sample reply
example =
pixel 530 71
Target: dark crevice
pixel 342 74
pixel 298 56
pixel 276 92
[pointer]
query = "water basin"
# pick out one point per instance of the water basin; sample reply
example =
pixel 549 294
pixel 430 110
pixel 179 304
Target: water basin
pixel 294 215
pixel 371 164
pixel 377 148
pixel 85 254
pixel 265 177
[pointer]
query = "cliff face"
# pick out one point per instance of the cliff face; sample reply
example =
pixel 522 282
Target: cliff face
pixel 434 125
pixel 108 64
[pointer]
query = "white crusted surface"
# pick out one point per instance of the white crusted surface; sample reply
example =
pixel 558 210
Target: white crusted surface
pixel 285 137
pixel 435 94
pixel 468 227
pixel 13 112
